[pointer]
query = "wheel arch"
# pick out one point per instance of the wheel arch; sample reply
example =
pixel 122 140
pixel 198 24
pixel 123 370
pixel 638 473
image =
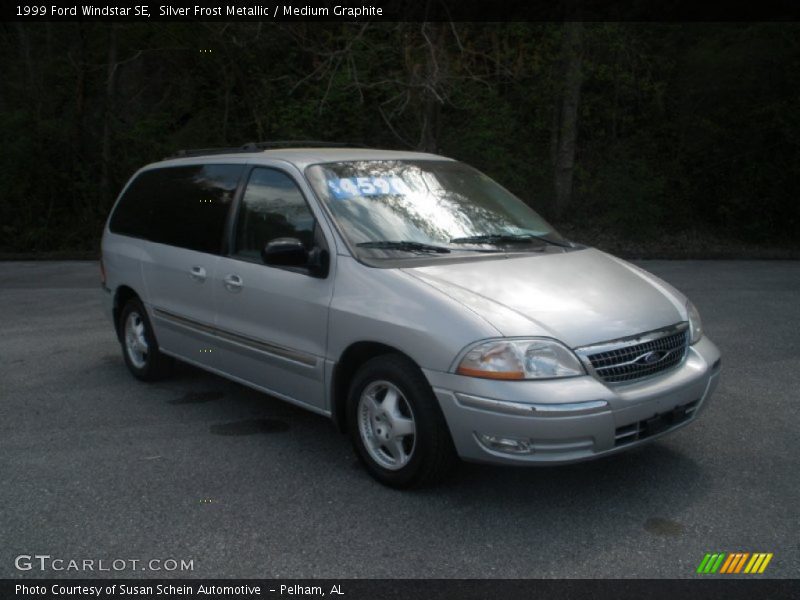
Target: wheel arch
pixel 355 355
pixel 122 296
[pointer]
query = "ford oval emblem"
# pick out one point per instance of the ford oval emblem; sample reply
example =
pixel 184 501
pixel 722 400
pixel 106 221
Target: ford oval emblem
pixel 651 357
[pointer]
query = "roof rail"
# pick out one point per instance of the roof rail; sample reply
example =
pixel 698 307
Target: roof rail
pixel 204 151
pixel 256 146
pixel 250 146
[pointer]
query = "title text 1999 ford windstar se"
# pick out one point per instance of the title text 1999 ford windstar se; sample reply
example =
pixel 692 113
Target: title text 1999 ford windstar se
pixel 424 308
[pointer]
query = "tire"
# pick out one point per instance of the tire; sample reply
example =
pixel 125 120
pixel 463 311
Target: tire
pixel 396 425
pixel 139 346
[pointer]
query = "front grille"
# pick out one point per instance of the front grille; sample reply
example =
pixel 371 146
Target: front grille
pixel 629 362
pixel 655 424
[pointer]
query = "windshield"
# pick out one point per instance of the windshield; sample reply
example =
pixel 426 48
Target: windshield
pixel 426 207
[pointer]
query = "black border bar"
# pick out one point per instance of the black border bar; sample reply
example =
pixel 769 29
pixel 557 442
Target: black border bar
pixel 706 587
pixel 402 10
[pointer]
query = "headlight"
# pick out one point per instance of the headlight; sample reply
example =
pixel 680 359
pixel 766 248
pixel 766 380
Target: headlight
pixel 695 326
pixel 520 359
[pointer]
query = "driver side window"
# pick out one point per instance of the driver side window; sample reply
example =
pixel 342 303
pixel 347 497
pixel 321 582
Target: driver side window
pixel 272 207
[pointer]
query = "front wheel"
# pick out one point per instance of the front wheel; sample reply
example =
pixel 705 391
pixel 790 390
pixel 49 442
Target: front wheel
pixel 396 425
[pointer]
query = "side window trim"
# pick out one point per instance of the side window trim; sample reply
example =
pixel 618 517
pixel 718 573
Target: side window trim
pixel 229 233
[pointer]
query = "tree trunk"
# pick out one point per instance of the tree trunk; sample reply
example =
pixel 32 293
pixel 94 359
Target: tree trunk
pixel 80 94
pixel 430 125
pixel 111 77
pixel 567 120
pixel 432 101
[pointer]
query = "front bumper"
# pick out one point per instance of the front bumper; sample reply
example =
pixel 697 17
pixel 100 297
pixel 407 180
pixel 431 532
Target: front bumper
pixel 574 419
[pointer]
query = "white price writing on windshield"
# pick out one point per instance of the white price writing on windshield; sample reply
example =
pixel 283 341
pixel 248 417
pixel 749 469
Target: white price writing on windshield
pixel 349 187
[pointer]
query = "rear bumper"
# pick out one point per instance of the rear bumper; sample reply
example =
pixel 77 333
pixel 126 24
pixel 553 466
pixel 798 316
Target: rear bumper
pixel 574 419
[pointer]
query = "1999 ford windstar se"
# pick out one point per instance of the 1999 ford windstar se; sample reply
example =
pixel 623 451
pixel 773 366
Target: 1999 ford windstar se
pixel 424 308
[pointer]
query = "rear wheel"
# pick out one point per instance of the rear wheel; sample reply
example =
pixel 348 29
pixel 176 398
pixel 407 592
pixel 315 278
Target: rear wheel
pixel 139 347
pixel 396 426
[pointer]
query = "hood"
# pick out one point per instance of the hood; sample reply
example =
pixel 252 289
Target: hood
pixel 579 297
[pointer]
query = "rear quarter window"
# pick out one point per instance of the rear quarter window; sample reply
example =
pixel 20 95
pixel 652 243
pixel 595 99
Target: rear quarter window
pixel 179 206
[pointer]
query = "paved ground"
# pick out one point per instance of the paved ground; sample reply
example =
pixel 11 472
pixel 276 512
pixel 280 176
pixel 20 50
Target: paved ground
pixel 96 465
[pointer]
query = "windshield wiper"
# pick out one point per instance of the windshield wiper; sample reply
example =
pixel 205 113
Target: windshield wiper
pixel 404 245
pixel 506 238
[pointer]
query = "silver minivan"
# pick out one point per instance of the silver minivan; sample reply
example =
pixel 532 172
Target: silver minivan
pixel 425 309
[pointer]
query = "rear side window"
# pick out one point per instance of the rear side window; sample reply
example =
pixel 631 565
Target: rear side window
pixel 179 206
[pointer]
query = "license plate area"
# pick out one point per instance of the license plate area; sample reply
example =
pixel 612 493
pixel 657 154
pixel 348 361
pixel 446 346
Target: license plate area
pixel 655 424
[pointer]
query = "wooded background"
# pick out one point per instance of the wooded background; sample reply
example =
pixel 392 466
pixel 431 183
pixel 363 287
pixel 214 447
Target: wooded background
pixel 670 139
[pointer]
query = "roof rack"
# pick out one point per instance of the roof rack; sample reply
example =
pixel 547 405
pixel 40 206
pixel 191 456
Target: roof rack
pixel 256 146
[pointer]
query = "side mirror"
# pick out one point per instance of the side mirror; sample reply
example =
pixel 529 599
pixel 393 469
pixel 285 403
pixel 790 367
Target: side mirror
pixel 290 252
pixel 318 262
pixel 285 252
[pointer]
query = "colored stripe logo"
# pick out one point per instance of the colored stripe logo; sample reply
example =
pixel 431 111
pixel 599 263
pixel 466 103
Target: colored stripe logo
pixel 734 563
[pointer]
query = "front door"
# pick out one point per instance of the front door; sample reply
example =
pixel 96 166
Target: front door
pixel 272 322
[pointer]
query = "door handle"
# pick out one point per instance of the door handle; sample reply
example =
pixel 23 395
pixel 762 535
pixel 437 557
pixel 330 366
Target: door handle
pixel 198 274
pixel 233 283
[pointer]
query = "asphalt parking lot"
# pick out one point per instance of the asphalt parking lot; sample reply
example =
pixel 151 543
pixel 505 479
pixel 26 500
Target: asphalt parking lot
pixel 96 465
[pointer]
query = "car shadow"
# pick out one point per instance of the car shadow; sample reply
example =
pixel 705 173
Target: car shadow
pixel 644 487
pixel 613 476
